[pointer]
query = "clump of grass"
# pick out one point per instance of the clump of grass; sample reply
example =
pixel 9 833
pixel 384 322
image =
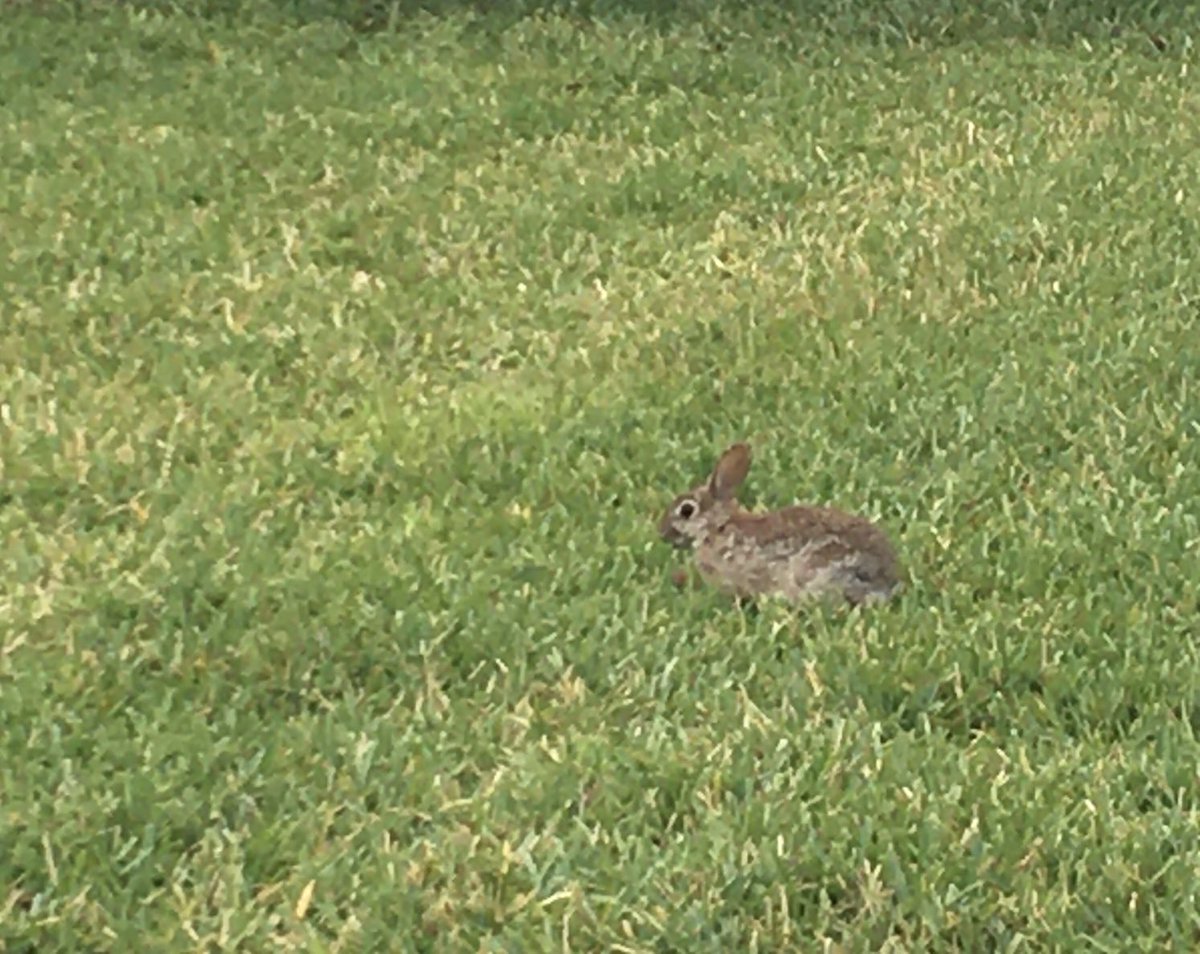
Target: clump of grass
pixel 344 374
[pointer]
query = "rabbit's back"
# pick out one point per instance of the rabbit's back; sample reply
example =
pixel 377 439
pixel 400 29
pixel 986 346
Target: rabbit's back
pixel 799 553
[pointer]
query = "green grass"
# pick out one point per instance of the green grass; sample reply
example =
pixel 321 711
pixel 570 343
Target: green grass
pixel 344 375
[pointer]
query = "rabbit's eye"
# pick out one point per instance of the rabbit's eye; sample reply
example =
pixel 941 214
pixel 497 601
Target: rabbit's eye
pixel 687 509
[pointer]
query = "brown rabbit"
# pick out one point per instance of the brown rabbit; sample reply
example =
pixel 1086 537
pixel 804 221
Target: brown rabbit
pixel 797 553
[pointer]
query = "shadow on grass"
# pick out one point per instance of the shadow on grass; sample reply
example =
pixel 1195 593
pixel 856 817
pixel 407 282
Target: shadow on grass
pixel 1163 25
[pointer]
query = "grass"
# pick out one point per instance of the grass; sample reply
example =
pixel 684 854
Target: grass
pixel 345 373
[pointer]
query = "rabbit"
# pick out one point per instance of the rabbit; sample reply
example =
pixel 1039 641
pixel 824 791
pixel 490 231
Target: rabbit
pixel 798 552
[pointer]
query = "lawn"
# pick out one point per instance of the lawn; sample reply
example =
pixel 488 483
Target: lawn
pixel 348 362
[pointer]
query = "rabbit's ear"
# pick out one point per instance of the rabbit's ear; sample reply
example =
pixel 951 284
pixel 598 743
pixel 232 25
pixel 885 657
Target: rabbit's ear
pixel 730 471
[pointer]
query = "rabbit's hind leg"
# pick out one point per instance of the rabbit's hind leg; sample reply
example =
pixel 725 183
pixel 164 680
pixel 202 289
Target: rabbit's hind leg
pixel 863 588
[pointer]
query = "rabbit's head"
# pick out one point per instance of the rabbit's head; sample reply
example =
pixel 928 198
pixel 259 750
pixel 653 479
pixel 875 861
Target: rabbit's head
pixel 693 515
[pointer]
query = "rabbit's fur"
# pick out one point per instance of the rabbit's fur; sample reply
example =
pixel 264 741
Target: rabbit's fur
pixel 797 553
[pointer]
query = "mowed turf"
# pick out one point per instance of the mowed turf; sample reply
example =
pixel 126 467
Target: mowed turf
pixel 344 378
